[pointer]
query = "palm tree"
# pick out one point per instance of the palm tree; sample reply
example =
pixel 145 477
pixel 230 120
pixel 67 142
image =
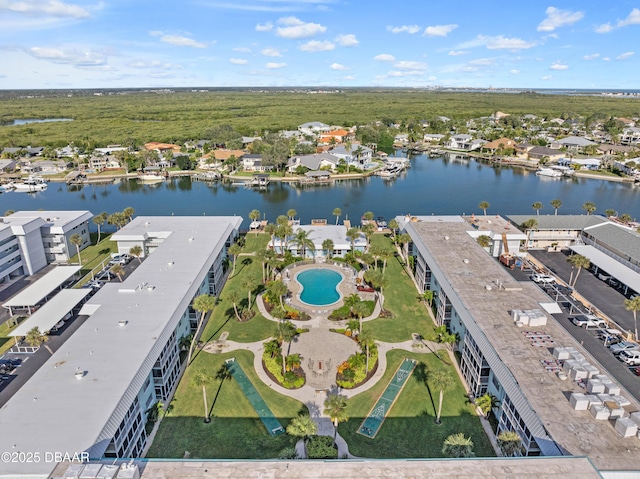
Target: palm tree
pixel 386 255
pixel 277 289
pixel 234 297
pixel 367 342
pixel 578 261
pixel 201 304
pixel 484 241
pixel 352 235
pixel 625 218
pixel 457 445
pixel 284 333
pixel 37 338
pixel 484 206
pixel 442 381
pixel 136 251
pixel 76 240
pixel 250 284
pixel 128 212
pixel 271 229
pixel 404 239
pixel 609 213
pixel 327 245
pixel 337 212
pixel 351 301
pixel 556 204
pixel 302 241
pixel 393 226
pixel 261 255
pixel 293 361
pixel 537 206
pixel 234 250
pixel 368 215
pixel 633 305
pixel 99 220
pixel 368 230
pixel 335 407
pixel 302 427
pixel 589 207
pixel 353 325
pixel 291 213
pixel 118 270
pixel 201 379
pixel 487 402
pixel 510 444
pixel 272 348
pixel 254 215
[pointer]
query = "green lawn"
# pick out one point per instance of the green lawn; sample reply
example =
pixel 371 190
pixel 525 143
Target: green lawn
pixel 6 341
pixel 94 255
pixel 235 431
pixel 409 429
pixel 223 316
pixel 401 298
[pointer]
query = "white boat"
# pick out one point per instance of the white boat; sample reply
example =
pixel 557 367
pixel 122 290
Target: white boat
pixel 32 183
pixel 549 172
pixel 150 178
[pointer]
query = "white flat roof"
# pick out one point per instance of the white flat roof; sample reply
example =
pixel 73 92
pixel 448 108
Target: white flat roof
pixel 54 411
pixel 619 271
pixel 52 312
pixel 59 220
pixel 37 291
pixel 337 234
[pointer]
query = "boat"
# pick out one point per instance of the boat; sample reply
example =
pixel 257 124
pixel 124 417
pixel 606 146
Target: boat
pixel 150 178
pixel 550 172
pixel 32 183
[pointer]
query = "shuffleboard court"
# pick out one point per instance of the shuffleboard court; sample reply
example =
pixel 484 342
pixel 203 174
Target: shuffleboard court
pixel 264 413
pixel 372 423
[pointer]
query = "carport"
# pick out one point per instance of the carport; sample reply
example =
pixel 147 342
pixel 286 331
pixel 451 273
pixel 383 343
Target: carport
pixel 628 277
pixel 52 312
pixel 41 289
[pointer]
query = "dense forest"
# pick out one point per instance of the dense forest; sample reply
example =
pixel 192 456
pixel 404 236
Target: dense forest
pixel 138 117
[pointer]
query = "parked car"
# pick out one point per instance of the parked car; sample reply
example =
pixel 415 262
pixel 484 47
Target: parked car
pixel 542 278
pixel 603 277
pixel 624 346
pixel 632 358
pixel 120 259
pixel 610 336
pixel 613 283
pixel 588 321
pixel 635 370
pixel 105 275
pixel 58 326
pixel 6 366
pixel 365 288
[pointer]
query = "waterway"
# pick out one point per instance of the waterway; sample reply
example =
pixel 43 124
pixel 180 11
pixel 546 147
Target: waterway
pixel 26 121
pixel 431 186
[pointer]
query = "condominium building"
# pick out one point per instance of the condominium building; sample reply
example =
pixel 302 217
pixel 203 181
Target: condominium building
pixel 93 393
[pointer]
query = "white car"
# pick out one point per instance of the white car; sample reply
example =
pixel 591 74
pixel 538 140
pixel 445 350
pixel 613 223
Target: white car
pixel 624 346
pixel 632 358
pixel 588 321
pixel 542 278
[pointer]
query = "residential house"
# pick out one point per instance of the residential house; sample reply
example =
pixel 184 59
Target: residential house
pixel 313 128
pixel 253 162
pixel 318 234
pixel 162 147
pixel 464 142
pixel 247 141
pixel 540 152
pixel 52 167
pixel 433 137
pixel 313 162
pixel 334 136
pixel 500 143
pixel 101 163
pixel 110 150
pixel 522 149
pixel 215 158
pixel 551 231
pixel 630 137
pixel 627 122
pixel 27 152
pixel 401 139
pixel 574 143
pixel 630 166
pixel 8 166
pixel 615 149
pixel 581 163
pixel 357 156
pixel 66 151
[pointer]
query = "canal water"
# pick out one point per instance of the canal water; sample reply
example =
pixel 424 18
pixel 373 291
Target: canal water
pixel 430 186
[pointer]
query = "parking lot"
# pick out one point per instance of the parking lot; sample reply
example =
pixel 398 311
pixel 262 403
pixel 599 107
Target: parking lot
pixel 603 297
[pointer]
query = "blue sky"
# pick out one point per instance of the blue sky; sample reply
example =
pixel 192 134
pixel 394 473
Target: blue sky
pixel 158 43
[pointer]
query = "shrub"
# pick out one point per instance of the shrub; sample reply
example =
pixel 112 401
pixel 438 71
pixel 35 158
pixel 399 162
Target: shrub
pixel 321 447
pixel 273 366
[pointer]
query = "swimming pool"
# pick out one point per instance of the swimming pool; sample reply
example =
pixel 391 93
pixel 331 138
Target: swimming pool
pixel 319 286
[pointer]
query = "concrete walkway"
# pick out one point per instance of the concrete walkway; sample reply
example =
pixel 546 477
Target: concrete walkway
pixel 314 398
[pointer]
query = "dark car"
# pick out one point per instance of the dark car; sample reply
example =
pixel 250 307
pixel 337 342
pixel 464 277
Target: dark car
pixel 365 288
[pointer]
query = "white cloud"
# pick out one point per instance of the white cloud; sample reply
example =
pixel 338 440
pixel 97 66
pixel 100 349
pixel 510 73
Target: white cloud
pixel 271 52
pixel 547 77
pixel 408 65
pixel 348 40
pixel 404 73
pixel 439 30
pixel 338 66
pixel 264 27
pixel 606 59
pixel 557 18
pixel 242 49
pixel 79 58
pixel 53 8
pixel 349 77
pixel 497 43
pixel 558 66
pixel 591 57
pixel 411 29
pixel 457 53
pixel 514 72
pixel 177 40
pixel 632 19
pixel 295 28
pixel 624 56
pixel 153 64
pixel 384 57
pixel 238 61
pixel 317 46
pixel 274 66
pixel 483 62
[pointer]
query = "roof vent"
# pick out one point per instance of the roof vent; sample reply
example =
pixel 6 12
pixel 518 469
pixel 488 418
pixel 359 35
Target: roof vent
pixel 171 263
pixel 123 322
pixel 465 261
pixel 150 288
pixel 488 287
pixel 191 238
pixel 79 374
pixel 446 238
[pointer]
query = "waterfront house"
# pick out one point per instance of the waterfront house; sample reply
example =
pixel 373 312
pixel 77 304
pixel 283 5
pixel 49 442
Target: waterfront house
pixel 318 234
pixel 401 139
pixel 574 143
pixel 28 152
pixel 313 162
pixel 629 166
pixel 501 143
pixel 615 149
pixel 464 142
pixel 540 152
pixel 630 136
pixel 591 164
pixel 253 162
pixel 334 136
pixel 433 137
pixel 8 166
pixel 357 155
pixel 551 231
pixel 522 149
pixel 109 150
pixel 313 128
pixel 101 163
